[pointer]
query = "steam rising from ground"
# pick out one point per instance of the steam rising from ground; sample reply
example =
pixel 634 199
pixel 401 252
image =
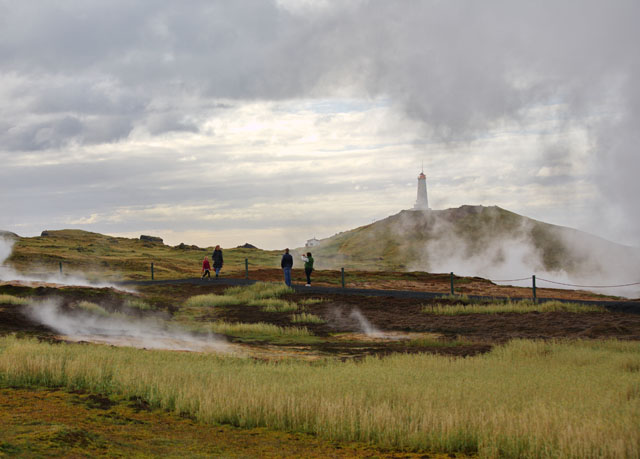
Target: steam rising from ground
pixel 492 243
pixel 9 274
pixel 365 326
pixel 120 330
pixel 356 320
pixel 555 254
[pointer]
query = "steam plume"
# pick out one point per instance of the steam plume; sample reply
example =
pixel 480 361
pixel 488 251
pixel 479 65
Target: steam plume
pixel 121 330
pixel 9 274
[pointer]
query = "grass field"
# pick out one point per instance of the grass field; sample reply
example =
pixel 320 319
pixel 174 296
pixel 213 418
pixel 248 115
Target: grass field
pixel 525 399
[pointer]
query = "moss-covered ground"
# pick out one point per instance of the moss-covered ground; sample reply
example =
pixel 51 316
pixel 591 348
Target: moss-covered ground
pixel 58 423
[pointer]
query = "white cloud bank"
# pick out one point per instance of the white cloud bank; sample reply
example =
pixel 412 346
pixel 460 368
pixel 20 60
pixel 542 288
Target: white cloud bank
pixel 273 121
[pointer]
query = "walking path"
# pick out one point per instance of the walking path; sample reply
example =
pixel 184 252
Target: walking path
pixel 619 306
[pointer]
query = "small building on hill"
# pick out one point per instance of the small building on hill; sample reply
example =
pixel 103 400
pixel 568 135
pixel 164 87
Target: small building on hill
pixel 312 242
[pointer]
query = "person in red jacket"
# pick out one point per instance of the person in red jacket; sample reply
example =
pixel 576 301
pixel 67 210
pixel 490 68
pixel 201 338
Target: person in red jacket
pixel 206 268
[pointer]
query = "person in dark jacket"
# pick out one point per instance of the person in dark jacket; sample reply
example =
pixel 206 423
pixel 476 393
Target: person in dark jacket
pixel 308 267
pixel 206 268
pixel 287 263
pixel 217 260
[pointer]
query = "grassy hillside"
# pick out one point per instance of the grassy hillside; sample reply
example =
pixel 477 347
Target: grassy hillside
pixel 416 239
pixel 104 257
pixel 426 241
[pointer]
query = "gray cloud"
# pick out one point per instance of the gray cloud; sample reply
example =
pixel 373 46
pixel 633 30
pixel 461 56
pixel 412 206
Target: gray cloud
pixel 95 72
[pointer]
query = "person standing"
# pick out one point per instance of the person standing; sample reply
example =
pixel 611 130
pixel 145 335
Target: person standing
pixel 217 259
pixel 286 264
pixel 308 267
pixel 206 268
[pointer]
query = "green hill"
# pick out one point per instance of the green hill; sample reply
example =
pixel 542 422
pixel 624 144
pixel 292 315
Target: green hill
pixel 475 235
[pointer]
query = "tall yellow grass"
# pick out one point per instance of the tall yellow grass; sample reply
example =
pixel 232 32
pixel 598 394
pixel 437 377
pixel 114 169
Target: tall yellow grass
pixel 520 307
pixel 306 318
pixel 10 299
pixel 260 328
pixel 526 399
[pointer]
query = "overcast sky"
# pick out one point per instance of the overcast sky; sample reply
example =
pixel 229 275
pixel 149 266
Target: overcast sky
pixel 272 122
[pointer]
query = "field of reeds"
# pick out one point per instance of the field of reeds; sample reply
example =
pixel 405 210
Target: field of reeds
pixel 524 399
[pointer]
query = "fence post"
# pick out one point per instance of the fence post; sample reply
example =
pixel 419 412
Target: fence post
pixel 452 293
pixel 151 271
pixel 246 268
pixel 535 300
pixel 342 269
pixel 60 263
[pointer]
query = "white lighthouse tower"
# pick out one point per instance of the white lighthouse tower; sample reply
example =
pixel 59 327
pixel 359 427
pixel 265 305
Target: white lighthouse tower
pixel 422 203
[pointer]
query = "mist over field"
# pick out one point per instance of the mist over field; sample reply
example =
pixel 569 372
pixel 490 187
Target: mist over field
pixel 120 330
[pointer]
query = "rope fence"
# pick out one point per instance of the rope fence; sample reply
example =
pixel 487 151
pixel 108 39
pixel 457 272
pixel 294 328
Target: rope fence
pixel 564 283
pixel 512 280
pixel 589 286
pixel 532 278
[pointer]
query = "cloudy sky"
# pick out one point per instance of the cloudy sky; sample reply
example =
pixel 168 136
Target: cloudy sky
pixel 272 122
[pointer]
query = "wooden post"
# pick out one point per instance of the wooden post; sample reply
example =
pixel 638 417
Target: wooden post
pixel 60 263
pixel 151 271
pixel 452 293
pixel 535 300
pixel 342 277
pixel 246 268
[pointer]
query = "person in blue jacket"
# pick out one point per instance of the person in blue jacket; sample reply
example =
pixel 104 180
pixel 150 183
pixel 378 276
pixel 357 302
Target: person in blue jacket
pixel 287 263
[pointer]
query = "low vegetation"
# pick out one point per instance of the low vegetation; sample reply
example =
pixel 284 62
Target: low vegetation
pixel 259 330
pixel 519 307
pixel 524 399
pixel 264 295
pixel 306 318
pixel 258 291
pixel 274 305
pixel 212 300
pixel 310 301
pixel 10 299
pixel 92 308
pixel 137 304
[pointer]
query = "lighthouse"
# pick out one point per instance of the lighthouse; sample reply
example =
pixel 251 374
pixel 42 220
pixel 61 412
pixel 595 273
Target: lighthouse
pixel 422 203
